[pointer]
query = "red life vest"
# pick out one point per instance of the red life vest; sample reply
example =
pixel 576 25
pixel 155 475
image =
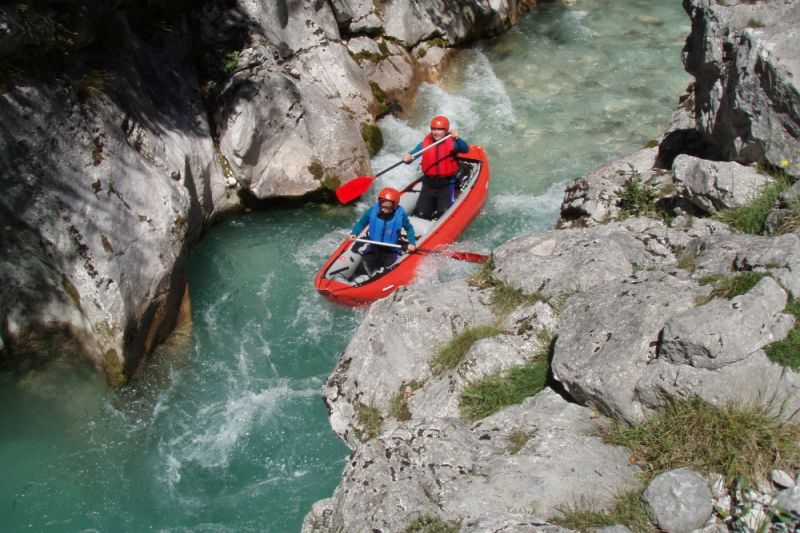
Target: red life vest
pixel 439 160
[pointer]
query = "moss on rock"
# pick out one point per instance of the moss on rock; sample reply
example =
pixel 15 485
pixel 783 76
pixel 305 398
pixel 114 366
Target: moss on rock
pixel 326 180
pixel 114 369
pixel 373 137
pixel 382 99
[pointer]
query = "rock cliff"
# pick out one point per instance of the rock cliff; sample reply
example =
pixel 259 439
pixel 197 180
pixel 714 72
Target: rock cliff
pixel 625 305
pixel 127 128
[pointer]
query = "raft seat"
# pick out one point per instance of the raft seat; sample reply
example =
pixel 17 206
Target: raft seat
pixel 408 200
pixel 421 225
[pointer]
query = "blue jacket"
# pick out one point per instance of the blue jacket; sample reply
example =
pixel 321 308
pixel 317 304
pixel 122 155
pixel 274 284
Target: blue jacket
pixel 387 231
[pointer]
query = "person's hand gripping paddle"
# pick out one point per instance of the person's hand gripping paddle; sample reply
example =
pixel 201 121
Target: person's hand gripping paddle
pixel 358 186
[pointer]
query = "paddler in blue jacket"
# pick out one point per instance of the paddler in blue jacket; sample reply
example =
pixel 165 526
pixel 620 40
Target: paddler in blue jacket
pixel 386 218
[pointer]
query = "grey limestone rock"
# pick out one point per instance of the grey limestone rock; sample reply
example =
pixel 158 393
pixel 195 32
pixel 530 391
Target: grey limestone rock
pixel 725 331
pixel 788 500
pixel 594 198
pixel 562 262
pixel 728 255
pixel 745 60
pixel 96 227
pixel 394 345
pixel 608 338
pixel 679 500
pixel 447 469
pixel 713 185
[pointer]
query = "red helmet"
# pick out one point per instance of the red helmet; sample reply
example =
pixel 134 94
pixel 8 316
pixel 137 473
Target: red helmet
pixel 440 123
pixel 390 194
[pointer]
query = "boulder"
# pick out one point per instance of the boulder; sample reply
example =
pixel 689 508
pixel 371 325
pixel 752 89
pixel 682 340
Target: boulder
pixel 444 468
pixel 594 198
pixel 287 136
pixel 726 331
pixel 394 347
pixel 96 226
pixel 713 186
pixel 357 16
pixel 746 62
pixel 386 64
pixel 679 500
pixel 729 254
pixel 562 262
pixel 608 338
pixel 522 342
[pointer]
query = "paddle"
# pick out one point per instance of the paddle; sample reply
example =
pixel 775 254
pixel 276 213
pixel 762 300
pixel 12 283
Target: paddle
pixel 358 186
pixel 472 257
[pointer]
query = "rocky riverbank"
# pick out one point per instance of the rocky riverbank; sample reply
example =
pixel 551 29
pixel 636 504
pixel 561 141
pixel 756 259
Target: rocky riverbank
pixel 128 128
pixel 626 304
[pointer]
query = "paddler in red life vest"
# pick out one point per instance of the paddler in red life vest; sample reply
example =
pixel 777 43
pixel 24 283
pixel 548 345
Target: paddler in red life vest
pixel 385 218
pixel 439 169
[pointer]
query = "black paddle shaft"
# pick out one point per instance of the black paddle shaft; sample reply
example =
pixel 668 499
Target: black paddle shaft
pixel 384 171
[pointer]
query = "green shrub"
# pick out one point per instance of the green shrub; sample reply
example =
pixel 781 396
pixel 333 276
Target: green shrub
pixel 230 61
pixel 451 355
pixel 742 443
pixel 786 352
pixel 492 393
pixel 636 197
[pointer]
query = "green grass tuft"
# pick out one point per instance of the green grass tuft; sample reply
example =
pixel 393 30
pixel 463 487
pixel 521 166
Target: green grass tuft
pixel 732 286
pixel 742 443
pixel 431 524
pixel 582 518
pixel 686 260
pixel 517 439
pixel 628 511
pixel 786 352
pixel 451 355
pixel 492 393
pixel 369 418
pixel 483 278
pixel 398 405
pixel 505 298
pixel 752 218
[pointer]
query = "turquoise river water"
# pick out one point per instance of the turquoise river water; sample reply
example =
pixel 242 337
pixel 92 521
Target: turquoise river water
pixel 225 429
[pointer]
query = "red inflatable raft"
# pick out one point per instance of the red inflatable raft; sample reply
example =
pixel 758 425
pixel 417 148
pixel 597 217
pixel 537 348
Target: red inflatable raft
pixel 343 278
